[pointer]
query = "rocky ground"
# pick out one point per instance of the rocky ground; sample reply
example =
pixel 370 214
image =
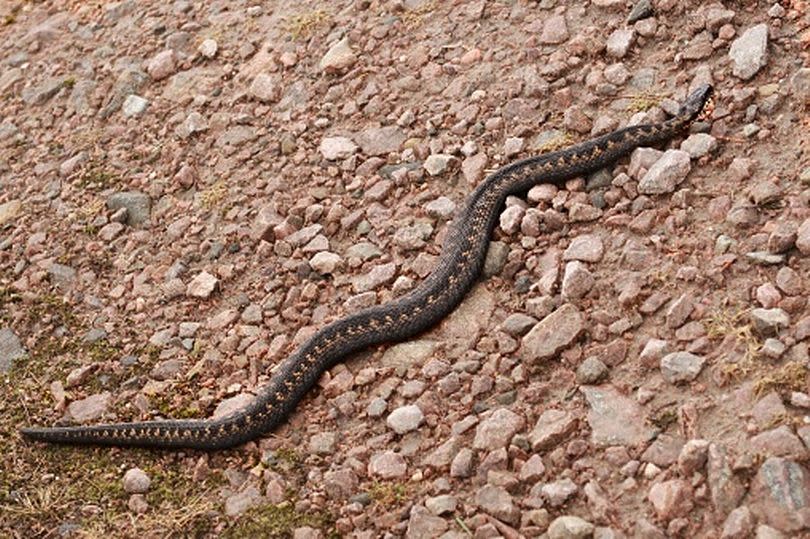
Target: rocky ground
pixel 189 189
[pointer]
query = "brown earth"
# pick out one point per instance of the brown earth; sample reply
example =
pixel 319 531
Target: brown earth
pixel 282 164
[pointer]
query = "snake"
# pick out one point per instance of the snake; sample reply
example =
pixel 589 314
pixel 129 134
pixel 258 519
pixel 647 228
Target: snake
pixel 457 269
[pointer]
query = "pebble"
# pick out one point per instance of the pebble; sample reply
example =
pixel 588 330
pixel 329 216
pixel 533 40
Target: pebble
pixel 136 481
pixel 438 163
pixel 11 349
pixel 380 140
pixel 441 208
pixel 671 499
pixel 558 492
pixel 518 324
pixel 666 174
pixel 552 428
pixel 208 48
pixel 555 30
pixel 552 334
pixel 89 408
pixel 768 322
pixel 681 367
pixel 161 65
pixel 405 419
pixel 570 527
pixel 641 10
pixel 334 148
pixel 739 524
pixel 265 87
pixel 577 281
pixel 497 502
pixel 134 105
pixel 619 42
pixel 202 285
pixel 240 502
pixel 586 248
pixel 614 418
pixel 591 371
pixel 339 57
pixel 497 430
pixel 442 504
pixel 780 493
pixel 749 51
pixel 42 92
pixel 325 262
pixel 699 144
pixel 422 523
pixel 323 443
pixel 803 237
pixel 137 204
pixel 9 211
pixel 387 465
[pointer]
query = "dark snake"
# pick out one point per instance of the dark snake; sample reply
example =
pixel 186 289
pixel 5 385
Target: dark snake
pixel 458 267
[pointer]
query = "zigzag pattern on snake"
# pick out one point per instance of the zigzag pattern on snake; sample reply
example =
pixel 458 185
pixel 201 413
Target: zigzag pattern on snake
pixel 458 268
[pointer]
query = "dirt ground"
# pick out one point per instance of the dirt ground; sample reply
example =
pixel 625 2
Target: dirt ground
pixel 189 189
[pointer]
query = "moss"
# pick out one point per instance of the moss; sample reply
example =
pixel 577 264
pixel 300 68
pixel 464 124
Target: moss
pixel 96 178
pixel 214 195
pixel 644 101
pixel 388 493
pixel 280 521
pixel 306 24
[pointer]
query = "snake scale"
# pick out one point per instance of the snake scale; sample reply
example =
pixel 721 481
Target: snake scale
pixel 458 268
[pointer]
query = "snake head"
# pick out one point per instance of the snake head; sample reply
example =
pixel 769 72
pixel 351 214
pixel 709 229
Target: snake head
pixel 699 103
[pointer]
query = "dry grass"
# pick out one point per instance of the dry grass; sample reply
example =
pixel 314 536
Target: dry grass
pixel 304 25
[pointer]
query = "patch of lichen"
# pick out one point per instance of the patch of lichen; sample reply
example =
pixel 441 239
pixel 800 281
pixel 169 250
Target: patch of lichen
pixel 304 25
pixel 644 101
pixel 389 493
pixel 279 521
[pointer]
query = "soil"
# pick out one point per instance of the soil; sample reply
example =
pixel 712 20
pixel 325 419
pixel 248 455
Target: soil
pixel 189 190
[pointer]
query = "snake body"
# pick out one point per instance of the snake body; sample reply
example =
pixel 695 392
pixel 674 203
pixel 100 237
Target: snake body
pixel 458 268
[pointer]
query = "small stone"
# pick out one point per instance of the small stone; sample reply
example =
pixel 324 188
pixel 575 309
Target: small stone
pixel 334 148
pixel 558 492
pixel 437 163
pixel 803 237
pixel 323 443
pixel 773 348
pixel 380 140
pixel 11 349
pixel 620 41
pixel 325 262
pixel 202 286
pixel 387 465
pixel 441 505
pixel 671 499
pixel 137 504
pixel 749 51
pixel 9 211
pixel 591 371
pixel 699 144
pixel 693 456
pixel 615 419
pixel 586 248
pixel 136 481
pixel 780 494
pixel 641 10
pixel 768 322
pixel 653 351
pixel 405 419
pixel 497 502
pixel 161 65
pixel 497 430
pixel 577 281
pixel 681 367
pixel 424 524
pixel 208 48
pixel 240 502
pixel 90 408
pixel 666 174
pixel 339 57
pixel 441 208
pixel 137 204
pixel 265 88
pixel 552 428
pixel 134 105
pixel 511 218
pixel 554 31
pixel 552 334
pixel 518 324
pixel 739 524
pixel 570 527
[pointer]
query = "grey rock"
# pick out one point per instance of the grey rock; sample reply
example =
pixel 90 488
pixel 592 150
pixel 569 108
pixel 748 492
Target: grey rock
pixel 442 504
pixel 387 465
pixel 739 524
pixel 9 211
pixel 339 57
pixel 641 10
pixel 591 371
pixel 620 41
pixel 441 208
pixel 577 280
pixel 552 427
pixel 586 248
pixel 665 175
pixel 497 253
pixel 497 502
pixel 780 494
pixel 90 408
pixel 518 324
pixel 681 367
pixel 40 93
pixel 570 527
pixel 323 443
pixel 405 418
pixel 749 51
pixel 334 148
pixel 11 349
pixel 699 144
pixel 497 430
pixel 438 163
pixel 62 276
pixel 424 523
pixel 137 204
pixel 240 502
pixel 551 335
pixel 379 275
pixel 768 322
pixel 726 489
pixel 134 105
pixel 136 481
pixel 558 492
pixel 614 418
pixel 380 140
